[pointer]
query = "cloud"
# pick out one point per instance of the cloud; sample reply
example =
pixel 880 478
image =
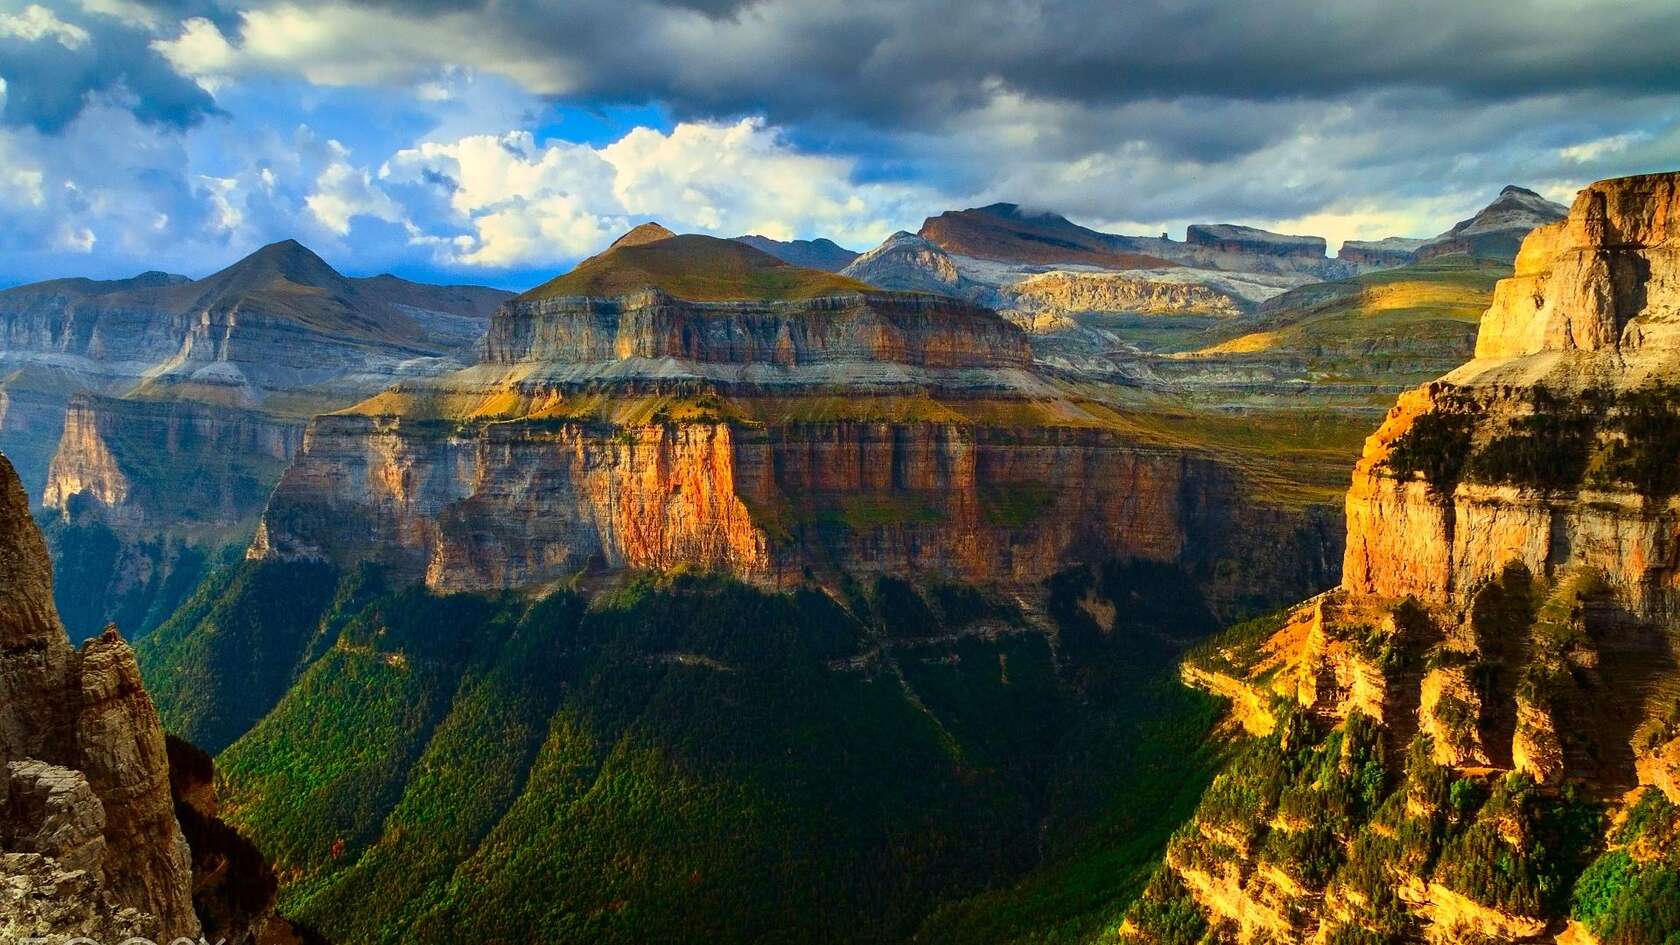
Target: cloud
pixel 36 23
pixel 344 192
pixel 906 64
pixel 57 63
pixel 516 203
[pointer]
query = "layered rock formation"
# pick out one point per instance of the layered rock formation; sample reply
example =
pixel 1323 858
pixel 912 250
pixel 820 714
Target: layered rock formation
pixel 1551 448
pixel 279 331
pixel 1506 623
pixel 1232 240
pixel 849 431
pixel 1387 253
pixel 169 464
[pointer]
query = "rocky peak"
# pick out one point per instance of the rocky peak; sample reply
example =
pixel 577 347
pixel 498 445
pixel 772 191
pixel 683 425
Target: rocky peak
pixel 906 262
pixel 1497 230
pixel 86 816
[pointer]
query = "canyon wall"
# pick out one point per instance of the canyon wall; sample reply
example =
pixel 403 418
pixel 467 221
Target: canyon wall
pixel 1550 447
pixel 168 464
pixel 514 504
pixel 916 330
pixel 1503 646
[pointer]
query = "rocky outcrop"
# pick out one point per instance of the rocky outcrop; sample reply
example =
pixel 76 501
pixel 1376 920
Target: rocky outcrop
pixel 1237 240
pixel 509 504
pixel 1068 292
pixel 90 840
pixel 87 796
pixel 906 262
pixel 1508 597
pixel 1547 448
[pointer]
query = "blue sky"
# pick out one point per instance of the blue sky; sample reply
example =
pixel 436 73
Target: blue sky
pixel 498 141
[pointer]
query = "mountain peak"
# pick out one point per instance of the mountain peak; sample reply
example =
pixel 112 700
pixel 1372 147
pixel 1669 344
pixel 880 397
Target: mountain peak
pixel 696 268
pixel 641 235
pixel 1514 189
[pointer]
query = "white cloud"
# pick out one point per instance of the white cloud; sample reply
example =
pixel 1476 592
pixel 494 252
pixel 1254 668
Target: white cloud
pixel 200 51
pixel 343 192
pixel 36 23
pixel 524 204
pixel 137 14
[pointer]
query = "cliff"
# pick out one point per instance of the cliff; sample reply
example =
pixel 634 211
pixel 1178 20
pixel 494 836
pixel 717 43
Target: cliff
pixel 1387 253
pixel 1443 746
pixel 88 827
pixel 167 465
pixel 511 504
pixel 910 330
pixel 1552 446
pixel 90 840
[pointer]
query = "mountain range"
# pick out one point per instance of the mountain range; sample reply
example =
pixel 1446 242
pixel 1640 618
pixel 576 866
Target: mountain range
pixel 701 593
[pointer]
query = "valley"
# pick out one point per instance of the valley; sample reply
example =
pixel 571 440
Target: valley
pixel 753 590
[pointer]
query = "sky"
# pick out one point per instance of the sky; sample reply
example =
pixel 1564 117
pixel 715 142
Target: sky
pixel 499 141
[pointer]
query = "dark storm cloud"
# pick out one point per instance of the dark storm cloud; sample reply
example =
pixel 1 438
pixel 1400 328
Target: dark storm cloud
pixel 911 61
pixel 49 82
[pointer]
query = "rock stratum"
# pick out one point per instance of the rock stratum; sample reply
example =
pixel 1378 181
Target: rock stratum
pixel 90 843
pixel 854 432
pixel 1474 738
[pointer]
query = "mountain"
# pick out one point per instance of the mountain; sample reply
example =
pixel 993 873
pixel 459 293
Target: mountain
pixel 151 416
pixel 1498 229
pixel 695 268
pixel 723 409
pixel 1472 738
pixel 906 262
pixel 821 253
pixel 746 619
pixel 1381 330
pixel 1007 233
pixel 91 832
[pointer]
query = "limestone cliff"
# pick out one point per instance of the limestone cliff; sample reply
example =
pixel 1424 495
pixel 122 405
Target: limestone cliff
pixel 919 331
pixel 1435 740
pixel 1552 447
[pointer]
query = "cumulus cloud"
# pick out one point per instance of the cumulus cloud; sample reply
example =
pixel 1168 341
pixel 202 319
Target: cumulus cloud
pixel 518 203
